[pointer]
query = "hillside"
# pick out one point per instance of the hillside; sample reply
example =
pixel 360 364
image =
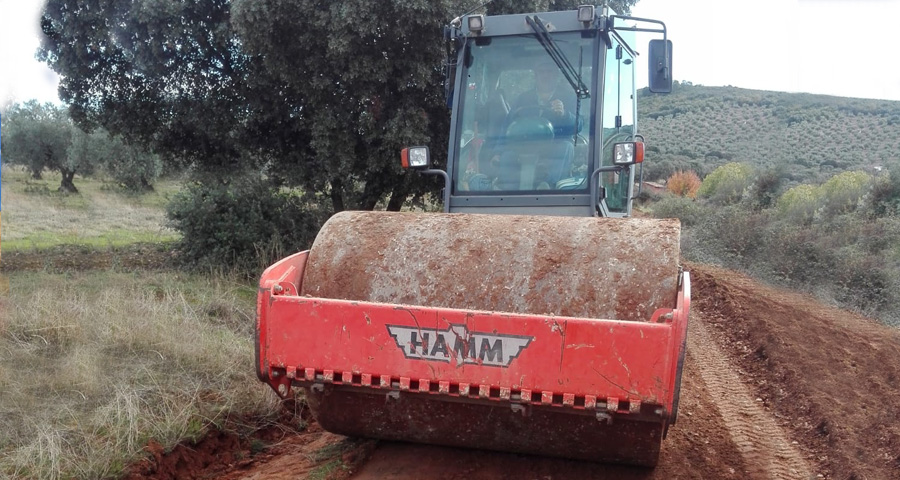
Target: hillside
pixel 808 137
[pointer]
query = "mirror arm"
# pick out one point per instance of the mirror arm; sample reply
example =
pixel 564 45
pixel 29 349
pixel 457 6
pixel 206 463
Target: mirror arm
pixel 446 196
pixel 595 184
pixel 612 20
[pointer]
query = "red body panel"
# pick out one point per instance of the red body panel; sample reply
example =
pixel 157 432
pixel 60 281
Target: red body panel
pixel 585 364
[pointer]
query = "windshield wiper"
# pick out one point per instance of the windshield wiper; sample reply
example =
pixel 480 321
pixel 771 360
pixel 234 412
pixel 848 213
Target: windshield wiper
pixel 558 56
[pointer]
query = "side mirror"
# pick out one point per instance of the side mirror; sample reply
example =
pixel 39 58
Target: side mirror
pixel 660 66
pixel 416 158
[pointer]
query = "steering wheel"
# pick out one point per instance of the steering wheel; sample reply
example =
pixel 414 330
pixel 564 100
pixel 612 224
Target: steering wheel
pixel 528 123
pixel 526 111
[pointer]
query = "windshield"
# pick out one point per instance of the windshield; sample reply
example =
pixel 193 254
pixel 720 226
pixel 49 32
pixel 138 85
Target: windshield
pixel 521 123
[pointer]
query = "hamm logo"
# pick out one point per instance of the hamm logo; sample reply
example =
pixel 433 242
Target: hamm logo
pixel 456 342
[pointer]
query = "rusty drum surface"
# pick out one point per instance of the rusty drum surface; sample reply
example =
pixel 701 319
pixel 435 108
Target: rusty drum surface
pixel 601 268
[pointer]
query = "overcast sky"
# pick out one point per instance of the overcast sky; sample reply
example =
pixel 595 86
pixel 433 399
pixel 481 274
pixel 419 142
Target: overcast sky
pixel 832 47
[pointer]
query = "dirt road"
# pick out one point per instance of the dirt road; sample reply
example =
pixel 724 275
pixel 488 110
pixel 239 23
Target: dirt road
pixel 776 386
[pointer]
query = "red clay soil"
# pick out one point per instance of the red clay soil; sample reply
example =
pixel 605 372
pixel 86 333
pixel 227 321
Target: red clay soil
pixel 776 385
pixel 834 375
pixel 284 449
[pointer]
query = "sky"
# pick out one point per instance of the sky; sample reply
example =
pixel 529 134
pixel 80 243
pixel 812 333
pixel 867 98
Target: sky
pixel 21 76
pixel 831 47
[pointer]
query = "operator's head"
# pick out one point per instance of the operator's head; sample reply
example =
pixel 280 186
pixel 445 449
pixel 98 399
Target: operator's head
pixel 546 75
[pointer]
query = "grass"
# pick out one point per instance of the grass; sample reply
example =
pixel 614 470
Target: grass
pixel 101 215
pixel 94 364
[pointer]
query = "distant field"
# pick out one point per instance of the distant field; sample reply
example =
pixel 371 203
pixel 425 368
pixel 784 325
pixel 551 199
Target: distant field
pixel 102 215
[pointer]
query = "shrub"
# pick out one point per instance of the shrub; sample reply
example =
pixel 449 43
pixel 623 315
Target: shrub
pixel 866 284
pixel 131 166
pixel 842 193
pixel 684 209
pixel 794 253
pixel 684 184
pixel 242 226
pixel 726 184
pixel 765 189
pixel 799 204
pixel 734 233
pixel 885 198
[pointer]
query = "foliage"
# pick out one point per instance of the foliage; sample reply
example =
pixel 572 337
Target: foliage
pixel 690 212
pixel 222 90
pixel 885 197
pixel 842 193
pixel 133 167
pixel 823 239
pixel 799 204
pixel 245 224
pixel 733 231
pixel 765 188
pixel 177 87
pixel 42 137
pixel 726 184
pixel 85 151
pixel 38 136
pixel 684 184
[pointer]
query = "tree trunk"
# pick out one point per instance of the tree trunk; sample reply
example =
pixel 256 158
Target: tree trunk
pixel 337 195
pixel 398 197
pixel 36 174
pixel 368 203
pixel 67 185
pixel 373 192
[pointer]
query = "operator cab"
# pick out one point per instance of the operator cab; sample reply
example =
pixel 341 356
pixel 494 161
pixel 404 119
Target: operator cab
pixel 543 115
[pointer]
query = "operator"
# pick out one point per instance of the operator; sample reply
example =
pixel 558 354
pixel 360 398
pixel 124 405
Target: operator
pixel 550 99
pixel 548 94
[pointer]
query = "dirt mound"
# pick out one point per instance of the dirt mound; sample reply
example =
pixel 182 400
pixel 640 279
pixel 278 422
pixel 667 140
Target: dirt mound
pixel 831 375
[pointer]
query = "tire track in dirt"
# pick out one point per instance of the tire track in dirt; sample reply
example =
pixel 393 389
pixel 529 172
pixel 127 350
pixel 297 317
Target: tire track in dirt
pixel 756 435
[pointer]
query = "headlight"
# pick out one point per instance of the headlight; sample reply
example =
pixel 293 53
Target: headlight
pixel 628 153
pixel 586 13
pixel 415 157
pixel 476 23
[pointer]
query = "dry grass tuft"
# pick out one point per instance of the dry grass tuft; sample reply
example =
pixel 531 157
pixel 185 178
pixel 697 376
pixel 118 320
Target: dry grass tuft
pixel 95 364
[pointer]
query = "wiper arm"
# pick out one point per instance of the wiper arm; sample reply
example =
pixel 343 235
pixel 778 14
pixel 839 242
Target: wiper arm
pixel 558 56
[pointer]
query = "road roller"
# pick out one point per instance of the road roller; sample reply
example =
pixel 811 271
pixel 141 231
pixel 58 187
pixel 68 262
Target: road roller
pixel 534 314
